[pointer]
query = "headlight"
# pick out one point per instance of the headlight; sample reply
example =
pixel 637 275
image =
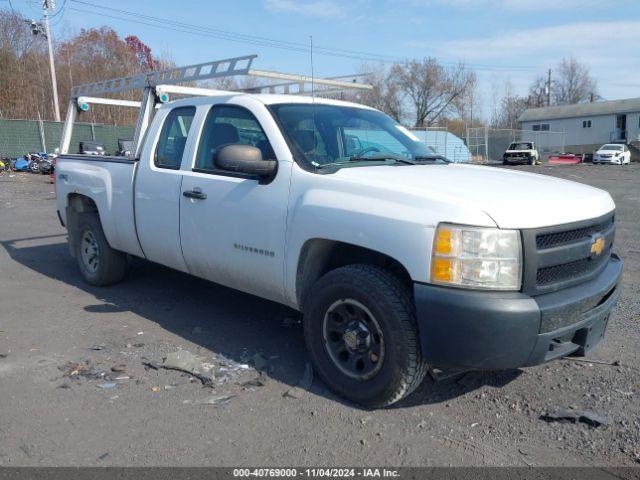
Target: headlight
pixel 477 257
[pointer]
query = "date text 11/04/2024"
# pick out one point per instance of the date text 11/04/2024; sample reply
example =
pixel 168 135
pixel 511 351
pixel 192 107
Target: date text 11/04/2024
pixel 316 472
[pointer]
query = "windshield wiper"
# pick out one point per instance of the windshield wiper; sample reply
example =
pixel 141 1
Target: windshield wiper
pixel 431 158
pixel 383 156
pixel 373 158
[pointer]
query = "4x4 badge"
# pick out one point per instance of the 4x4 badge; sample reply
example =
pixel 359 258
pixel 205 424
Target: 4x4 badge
pixel 597 246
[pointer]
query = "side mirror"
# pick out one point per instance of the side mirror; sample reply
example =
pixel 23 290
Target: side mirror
pixel 244 159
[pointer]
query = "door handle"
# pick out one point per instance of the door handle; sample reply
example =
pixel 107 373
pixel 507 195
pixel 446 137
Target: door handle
pixel 197 194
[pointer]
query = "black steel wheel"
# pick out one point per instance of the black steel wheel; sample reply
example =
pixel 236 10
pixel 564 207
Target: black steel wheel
pixel 362 335
pixel 353 339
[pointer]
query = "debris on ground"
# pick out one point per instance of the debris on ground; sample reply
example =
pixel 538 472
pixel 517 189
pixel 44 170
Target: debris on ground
pixel 621 392
pixel 151 365
pixel 216 400
pixel 3 355
pixel 438 375
pixel 185 361
pixel 87 370
pixel 303 385
pixel 119 368
pixel 108 385
pixel 155 389
pixel 615 363
pixel 256 382
pixel 98 347
pixel 569 415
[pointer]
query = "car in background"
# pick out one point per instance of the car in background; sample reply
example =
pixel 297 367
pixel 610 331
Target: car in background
pixel 520 153
pixel 615 153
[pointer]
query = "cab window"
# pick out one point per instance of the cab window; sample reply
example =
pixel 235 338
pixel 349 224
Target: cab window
pixel 173 137
pixel 230 125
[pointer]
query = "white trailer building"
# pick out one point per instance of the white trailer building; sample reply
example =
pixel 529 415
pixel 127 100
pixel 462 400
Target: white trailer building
pixel 587 126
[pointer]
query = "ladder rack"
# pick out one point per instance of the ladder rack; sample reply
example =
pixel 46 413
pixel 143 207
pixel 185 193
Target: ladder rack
pixel 157 85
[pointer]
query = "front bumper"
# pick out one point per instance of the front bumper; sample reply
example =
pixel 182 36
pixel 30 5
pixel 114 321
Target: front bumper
pixel 503 330
pixel 612 160
pixel 517 160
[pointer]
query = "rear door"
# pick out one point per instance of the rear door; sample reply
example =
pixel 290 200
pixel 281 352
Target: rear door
pixel 157 186
pixel 233 232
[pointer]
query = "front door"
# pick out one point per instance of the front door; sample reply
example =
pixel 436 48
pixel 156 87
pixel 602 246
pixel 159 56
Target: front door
pixel 232 227
pixel 621 127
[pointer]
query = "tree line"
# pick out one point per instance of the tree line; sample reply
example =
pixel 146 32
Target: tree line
pixel 89 56
pixel 571 82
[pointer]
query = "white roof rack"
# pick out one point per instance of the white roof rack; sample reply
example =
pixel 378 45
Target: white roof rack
pixel 216 69
pixel 157 86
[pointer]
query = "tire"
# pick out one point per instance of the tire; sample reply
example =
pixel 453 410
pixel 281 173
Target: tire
pixel 398 369
pixel 99 264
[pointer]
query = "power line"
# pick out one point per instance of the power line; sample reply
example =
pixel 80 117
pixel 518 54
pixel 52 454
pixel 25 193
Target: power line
pixel 193 29
pixel 243 37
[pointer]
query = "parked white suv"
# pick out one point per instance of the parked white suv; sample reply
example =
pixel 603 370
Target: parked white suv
pixel 398 259
pixel 615 153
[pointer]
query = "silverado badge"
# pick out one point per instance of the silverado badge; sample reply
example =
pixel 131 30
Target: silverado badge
pixel 597 245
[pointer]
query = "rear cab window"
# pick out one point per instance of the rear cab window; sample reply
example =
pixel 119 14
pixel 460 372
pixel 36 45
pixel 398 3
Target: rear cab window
pixel 173 138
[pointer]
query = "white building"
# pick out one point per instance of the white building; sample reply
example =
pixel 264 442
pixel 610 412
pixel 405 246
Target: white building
pixel 587 126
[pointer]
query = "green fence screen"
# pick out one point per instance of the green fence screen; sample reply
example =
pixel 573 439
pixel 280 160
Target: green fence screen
pixel 18 137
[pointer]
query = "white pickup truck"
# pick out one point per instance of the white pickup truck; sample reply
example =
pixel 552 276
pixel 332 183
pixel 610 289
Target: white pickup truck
pixel 397 259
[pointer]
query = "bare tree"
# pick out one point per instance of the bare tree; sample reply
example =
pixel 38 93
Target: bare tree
pixel 385 95
pixel 508 108
pixel 467 107
pixel 573 83
pixel 430 88
pixel 538 93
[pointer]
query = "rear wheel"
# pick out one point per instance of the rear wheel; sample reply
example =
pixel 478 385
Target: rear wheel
pixel 99 264
pixel 361 333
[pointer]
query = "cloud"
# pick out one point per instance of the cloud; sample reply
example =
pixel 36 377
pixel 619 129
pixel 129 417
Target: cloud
pixel 608 48
pixel 514 5
pixel 317 8
pixel 596 43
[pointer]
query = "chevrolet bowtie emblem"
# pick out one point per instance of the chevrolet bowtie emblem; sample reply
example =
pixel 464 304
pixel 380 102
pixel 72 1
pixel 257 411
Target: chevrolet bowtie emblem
pixel 597 246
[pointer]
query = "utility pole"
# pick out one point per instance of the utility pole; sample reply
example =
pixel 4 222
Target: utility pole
pixel 549 89
pixel 46 6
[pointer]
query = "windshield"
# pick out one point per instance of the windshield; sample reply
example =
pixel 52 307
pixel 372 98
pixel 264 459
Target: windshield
pixel 327 134
pixel 611 147
pixel 521 146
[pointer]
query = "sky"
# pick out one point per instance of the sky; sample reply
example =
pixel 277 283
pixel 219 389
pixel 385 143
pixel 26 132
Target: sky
pixel 504 41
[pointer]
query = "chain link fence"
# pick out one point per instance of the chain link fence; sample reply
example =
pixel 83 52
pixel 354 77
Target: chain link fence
pixel 488 144
pixel 18 137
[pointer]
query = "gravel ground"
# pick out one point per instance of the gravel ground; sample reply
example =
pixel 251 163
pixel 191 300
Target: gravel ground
pixel 74 389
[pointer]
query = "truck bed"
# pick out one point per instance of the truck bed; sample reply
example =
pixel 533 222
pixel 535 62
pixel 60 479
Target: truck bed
pixel 109 181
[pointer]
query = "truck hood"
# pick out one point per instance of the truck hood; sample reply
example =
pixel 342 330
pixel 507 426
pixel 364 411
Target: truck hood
pixel 519 151
pixel 511 198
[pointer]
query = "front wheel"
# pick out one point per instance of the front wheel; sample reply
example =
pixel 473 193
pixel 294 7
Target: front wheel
pixel 361 333
pixel 99 264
